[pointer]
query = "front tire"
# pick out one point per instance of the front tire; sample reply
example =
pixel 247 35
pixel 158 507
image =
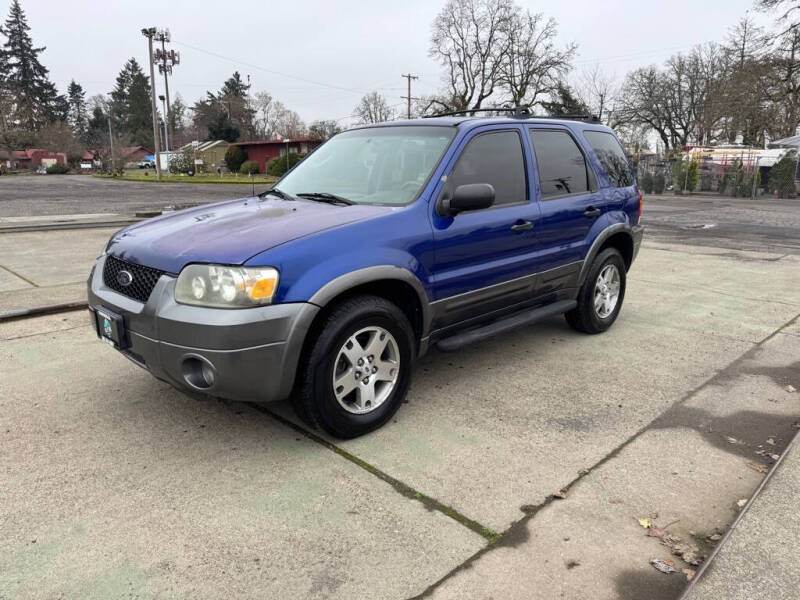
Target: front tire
pixel 358 369
pixel 601 295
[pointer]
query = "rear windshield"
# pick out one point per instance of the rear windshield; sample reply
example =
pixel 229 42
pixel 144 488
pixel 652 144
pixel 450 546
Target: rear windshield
pixel 611 156
pixel 377 165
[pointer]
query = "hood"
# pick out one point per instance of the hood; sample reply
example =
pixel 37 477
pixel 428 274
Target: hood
pixel 229 232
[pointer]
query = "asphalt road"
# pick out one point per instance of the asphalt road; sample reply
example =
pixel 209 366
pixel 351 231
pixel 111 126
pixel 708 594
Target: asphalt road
pixel 24 196
pixel 114 485
pixel 766 224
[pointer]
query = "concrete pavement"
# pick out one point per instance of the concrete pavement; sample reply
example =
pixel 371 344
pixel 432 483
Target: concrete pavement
pixel 758 560
pixel 130 488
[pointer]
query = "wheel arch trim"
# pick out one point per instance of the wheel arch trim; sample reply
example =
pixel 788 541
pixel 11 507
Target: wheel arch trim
pixel 598 242
pixel 348 281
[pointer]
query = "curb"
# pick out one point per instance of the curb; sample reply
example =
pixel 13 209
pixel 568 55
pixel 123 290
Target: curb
pixel 61 226
pixel 687 591
pixel 27 313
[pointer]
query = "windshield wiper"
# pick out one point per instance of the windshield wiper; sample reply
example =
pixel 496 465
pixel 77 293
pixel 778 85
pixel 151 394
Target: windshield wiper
pixel 276 192
pixel 326 197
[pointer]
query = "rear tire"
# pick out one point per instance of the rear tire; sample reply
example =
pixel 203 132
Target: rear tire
pixel 601 295
pixel 358 369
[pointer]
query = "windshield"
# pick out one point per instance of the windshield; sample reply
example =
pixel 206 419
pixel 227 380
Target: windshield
pixel 379 165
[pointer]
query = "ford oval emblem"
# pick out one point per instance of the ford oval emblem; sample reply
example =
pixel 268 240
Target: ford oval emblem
pixel 124 278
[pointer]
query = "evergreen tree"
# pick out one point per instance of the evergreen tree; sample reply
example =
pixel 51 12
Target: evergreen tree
pixel 130 105
pixel 565 102
pixel 97 130
pixel 77 109
pixel 34 97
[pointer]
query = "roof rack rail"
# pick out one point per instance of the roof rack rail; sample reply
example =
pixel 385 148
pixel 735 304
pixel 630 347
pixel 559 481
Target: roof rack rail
pixel 520 112
pixel 588 118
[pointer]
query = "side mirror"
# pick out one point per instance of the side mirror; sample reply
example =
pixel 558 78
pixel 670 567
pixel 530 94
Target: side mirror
pixel 470 196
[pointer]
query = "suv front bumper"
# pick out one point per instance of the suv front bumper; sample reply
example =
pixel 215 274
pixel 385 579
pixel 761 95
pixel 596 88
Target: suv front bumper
pixel 252 353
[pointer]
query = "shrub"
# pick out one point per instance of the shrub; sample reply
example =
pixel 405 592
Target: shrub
pixel 647 183
pixel 57 169
pixel 234 157
pixel 659 183
pixel 181 162
pixel 277 166
pixel 249 167
pixel 684 176
pixel 781 177
pixel 692 176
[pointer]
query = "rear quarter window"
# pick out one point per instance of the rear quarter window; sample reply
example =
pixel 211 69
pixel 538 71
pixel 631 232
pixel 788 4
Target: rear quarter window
pixel 611 156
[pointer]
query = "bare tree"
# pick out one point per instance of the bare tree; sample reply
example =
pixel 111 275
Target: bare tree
pixel 323 129
pixel 683 102
pixel 599 90
pixel 373 108
pixel 290 125
pixel 788 10
pixel 531 66
pixel 469 40
pixel 783 85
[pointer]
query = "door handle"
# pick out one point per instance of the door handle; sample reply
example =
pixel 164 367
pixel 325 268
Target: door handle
pixel 591 212
pixel 522 226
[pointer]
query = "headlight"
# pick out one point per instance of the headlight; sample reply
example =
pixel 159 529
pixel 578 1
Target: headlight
pixel 226 287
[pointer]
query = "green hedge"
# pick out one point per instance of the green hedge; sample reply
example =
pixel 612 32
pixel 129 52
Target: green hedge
pixel 57 169
pixel 277 166
pixel 249 167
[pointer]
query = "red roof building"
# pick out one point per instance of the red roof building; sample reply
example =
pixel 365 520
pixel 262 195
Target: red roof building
pixel 33 158
pixel 263 151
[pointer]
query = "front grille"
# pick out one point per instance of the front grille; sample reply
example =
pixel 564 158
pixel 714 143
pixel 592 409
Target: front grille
pixel 143 278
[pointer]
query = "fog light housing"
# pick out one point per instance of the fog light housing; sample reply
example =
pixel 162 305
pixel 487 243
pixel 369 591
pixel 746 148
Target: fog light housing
pixel 199 373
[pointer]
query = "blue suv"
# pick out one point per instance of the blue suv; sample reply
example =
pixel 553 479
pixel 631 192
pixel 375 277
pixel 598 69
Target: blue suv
pixel 386 240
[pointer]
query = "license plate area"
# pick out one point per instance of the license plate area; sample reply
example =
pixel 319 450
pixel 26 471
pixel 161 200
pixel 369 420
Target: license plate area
pixel 110 327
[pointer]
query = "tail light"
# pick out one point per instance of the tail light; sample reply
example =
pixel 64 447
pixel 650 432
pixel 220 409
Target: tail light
pixel 640 203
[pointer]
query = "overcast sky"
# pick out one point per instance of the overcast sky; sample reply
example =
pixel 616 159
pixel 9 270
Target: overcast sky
pixel 320 57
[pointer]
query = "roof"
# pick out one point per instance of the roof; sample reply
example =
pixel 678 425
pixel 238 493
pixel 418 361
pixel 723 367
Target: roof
pixel 789 142
pixel 128 150
pixel 307 140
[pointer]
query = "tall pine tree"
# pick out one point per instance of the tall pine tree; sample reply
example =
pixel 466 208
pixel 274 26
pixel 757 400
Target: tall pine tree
pixel 77 110
pixel 33 97
pixel 130 105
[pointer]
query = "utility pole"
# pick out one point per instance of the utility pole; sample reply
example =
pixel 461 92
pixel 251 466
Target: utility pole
pixel 409 77
pixel 111 142
pixel 150 33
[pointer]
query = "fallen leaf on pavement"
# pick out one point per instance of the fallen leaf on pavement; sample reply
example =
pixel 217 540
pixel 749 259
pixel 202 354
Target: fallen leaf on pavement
pixel 560 494
pixel 790 388
pixel 771 442
pixel 741 503
pixel 615 501
pixel 774 456
pixel 757 466
pixel 662 566
pixel 644 523
pixel 731 440
pixel 689 573
pixel 715 537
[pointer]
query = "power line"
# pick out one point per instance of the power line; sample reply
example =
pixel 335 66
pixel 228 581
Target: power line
pixel 260 68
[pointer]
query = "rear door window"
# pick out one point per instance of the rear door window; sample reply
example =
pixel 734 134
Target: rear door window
pixel 496 158
pixel 561 164
pixel 611 156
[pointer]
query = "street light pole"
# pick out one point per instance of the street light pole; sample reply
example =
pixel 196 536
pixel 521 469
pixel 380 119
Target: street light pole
pixel 166 135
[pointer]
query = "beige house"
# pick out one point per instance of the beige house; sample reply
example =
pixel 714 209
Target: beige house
pixel 208 156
